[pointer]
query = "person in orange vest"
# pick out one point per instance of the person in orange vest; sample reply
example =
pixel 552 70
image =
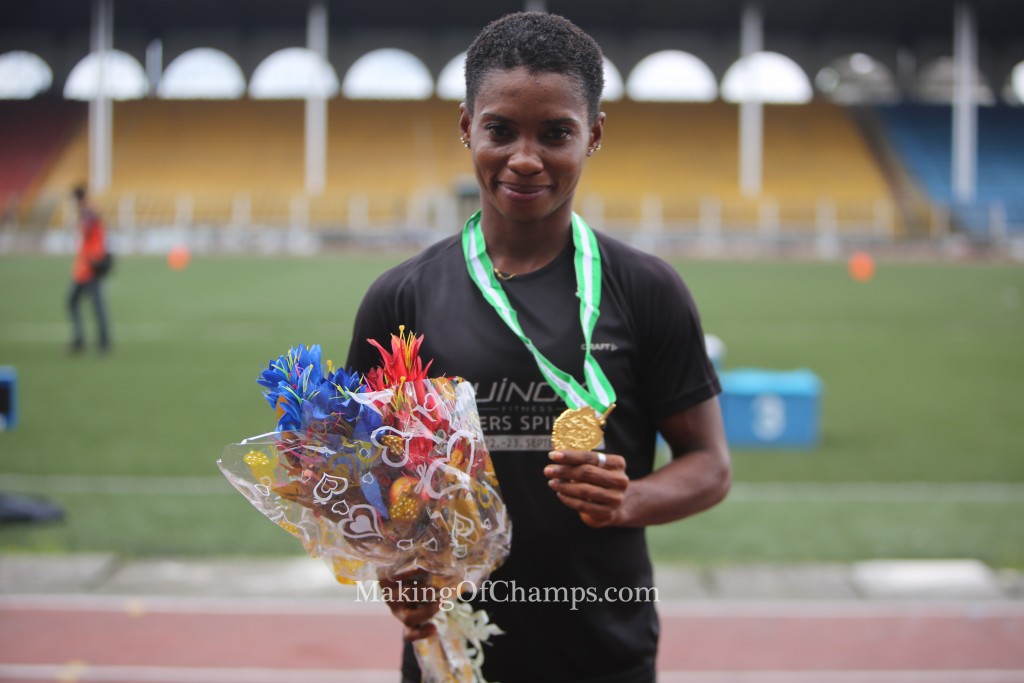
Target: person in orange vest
pixel 91 265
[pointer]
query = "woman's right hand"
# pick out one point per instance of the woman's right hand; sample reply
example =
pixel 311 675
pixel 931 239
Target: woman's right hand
pixel 401 593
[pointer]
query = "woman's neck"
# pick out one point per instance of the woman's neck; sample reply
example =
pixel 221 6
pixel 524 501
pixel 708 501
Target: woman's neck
pixel 518 248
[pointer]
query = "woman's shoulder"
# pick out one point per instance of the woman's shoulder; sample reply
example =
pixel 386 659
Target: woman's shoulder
pixel 436 256
pixel 622 260
pixel 428 264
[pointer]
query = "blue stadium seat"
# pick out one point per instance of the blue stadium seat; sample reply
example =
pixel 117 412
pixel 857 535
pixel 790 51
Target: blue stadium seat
pixel 922 136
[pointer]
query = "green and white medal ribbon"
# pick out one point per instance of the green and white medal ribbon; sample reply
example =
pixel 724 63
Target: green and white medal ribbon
pixel 578 428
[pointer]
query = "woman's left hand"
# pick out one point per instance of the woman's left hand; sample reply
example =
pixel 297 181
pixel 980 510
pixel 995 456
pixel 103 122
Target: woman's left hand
pixel 591 483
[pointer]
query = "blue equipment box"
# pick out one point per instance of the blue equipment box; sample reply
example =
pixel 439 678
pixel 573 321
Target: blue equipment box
pixel 8 398
pixel 771 408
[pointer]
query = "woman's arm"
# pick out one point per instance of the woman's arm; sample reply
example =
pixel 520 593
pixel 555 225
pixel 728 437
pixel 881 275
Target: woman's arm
pixel 698 477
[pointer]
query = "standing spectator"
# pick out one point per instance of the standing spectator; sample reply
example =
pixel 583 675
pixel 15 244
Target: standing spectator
pixel 92 262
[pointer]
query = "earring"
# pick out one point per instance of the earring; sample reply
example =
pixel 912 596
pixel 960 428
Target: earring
pixel 590 152
pixel 464 141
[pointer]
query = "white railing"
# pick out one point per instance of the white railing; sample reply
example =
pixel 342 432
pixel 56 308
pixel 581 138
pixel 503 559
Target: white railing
pixel 263 222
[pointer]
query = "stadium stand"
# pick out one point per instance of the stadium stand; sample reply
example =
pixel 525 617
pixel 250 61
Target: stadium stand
pixel 395 145
pixel 209 162
pixel 687 155
pixel 386 152
pixel 921 135
pixel 385 155
pixel 816 150
pixel 33 134
pixel 871 173
pixel 231 162
pixel 664 164
pixel 207 146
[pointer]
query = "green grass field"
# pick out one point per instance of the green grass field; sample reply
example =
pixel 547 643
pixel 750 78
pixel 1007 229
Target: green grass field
pixel 922 367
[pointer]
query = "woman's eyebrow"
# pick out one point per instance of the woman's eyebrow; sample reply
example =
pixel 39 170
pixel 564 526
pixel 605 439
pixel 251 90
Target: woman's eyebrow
pixel 568 120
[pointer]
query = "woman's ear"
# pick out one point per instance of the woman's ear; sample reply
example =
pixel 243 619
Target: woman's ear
pixel 597 132
pixel 465 122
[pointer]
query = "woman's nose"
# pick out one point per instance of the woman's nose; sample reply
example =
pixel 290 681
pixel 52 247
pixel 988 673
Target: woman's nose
pixel 525 159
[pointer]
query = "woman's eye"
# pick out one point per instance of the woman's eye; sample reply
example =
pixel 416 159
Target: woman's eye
pixel 498 130
pixel 560 134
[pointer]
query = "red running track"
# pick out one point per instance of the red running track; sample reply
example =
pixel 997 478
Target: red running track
pixel 199 641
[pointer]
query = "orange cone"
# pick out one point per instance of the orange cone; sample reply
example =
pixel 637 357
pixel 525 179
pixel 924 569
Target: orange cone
pixel 861 266
pixel 178 257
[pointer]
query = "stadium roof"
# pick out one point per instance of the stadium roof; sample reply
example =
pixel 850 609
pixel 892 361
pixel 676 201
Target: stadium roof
pixel 997 19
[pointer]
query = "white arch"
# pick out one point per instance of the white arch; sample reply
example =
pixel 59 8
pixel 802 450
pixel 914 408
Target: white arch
pixel 293 73
pixel 1016 84
pixel 766 77
pixel 935 83
pixel 23 75
pixel 671 76
pixel 388 74
pixel 451 83
pixel 857 79
pixel 202 73
pixel 613 88
pixel 122 75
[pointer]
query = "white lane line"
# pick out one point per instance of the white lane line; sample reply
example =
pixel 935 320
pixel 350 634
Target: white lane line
pixel 880 492
pixel 138 332
pixel 79 671
pixel 797 492
pixel 347 602
pixel 117 484
pixel 868 676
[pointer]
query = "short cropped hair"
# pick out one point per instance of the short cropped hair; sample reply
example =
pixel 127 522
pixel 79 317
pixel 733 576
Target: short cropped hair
pixel 541 43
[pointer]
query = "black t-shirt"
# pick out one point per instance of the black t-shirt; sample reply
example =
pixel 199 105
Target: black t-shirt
pixel 649 342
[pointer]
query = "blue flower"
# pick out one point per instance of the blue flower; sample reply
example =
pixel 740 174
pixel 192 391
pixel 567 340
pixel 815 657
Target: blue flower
pixel 333 397
pixel 289 381
pixel 309 398
pixel 334 405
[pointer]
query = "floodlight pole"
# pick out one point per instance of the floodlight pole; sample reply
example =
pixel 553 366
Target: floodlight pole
pixel 316 104
pixel 965 105
pixel 101 115
pixel 751 109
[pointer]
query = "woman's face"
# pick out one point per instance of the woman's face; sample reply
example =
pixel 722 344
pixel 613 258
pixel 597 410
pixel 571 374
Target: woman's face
pixel 529 136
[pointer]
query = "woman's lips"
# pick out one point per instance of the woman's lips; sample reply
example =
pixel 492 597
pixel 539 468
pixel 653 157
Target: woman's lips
pixel 520 191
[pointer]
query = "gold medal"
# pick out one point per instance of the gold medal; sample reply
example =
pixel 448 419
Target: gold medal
pixel 579 429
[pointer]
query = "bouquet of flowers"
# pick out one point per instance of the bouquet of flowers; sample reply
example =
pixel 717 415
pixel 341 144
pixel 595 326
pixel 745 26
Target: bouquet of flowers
pixel 383 476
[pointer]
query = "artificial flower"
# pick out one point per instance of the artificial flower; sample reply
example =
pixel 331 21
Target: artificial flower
pixel 289 381
pixel 403 364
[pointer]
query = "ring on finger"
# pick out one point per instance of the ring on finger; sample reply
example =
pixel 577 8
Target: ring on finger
pixel 601 459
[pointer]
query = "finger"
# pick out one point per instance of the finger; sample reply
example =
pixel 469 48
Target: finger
pixel 574 458
pixel 411 576
pixel 424 630
pixel 588 474
pixel 596 521
pixel 414 614
pixel 591 513
pixel 592 495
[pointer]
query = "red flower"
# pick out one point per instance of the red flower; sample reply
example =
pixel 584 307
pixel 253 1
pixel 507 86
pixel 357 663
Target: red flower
pixel 403 364
pixel 409 409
